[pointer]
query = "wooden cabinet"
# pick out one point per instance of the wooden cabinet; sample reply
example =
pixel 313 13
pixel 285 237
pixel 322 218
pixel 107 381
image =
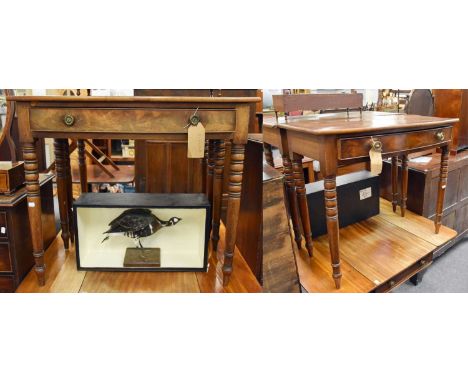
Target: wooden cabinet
pixel 454 103
pixel 15 236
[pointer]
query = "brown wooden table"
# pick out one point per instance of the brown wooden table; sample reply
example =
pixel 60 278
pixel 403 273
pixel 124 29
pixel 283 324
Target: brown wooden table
pixel 339 139
pixel 159 118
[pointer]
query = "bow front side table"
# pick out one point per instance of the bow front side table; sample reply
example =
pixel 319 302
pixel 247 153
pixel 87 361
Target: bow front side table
pixel 339 139
pixel 157 118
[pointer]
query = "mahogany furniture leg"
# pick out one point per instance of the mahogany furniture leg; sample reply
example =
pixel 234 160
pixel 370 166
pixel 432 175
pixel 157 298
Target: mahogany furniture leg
pixel 82 166
pixel 331 212
pixel 291 198
pixel 62 191
pixel 205 168
pixel 217 190
pixel 34 208
pixel 236 170
pixel 302 200
pixel 442 187
pixel 210 171
pixel 69 183
pixel 404 183
pixel 268 154
pixel 394 182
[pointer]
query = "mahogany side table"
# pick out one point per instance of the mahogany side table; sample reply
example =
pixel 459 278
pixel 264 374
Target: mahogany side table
pixel 158 118
pixel 339 139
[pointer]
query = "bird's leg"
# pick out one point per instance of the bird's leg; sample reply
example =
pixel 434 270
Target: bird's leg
pixel 139 244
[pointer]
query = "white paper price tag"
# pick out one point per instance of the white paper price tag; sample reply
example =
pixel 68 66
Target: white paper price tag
pixel 3 230
pixel 365 193
pixel 31 204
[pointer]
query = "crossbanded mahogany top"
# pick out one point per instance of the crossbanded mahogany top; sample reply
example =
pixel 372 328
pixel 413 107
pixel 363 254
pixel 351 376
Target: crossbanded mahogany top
pixel 137 99
pixel 368 122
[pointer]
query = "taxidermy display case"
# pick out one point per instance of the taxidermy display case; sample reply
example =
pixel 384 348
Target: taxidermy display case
pixel 142 232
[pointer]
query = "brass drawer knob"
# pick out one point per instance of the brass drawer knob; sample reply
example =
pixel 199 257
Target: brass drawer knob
pixel 377 145
pixel 423 262
pixel 69 120
pixel 392 283
pixel 194 120
pixel 440 135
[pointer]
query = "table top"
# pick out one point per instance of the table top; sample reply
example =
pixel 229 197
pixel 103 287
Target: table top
pixel 132 99
pixel 367 122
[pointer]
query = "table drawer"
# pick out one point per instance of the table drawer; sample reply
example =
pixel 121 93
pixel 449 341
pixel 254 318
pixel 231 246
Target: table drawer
pixel 349 148
pixel 3 225
pixel 405 275
pixel 5 259
pixel 75 120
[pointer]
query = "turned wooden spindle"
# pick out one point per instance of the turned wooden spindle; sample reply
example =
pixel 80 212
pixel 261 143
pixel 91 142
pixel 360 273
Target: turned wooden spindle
pixel 331 211
pixel 62 191
pixel 441 189
pixel 210 171
pixel 217 190
pixel 394 183
pixel 301 195
pixel 69 183
pixel 291 198
pixel 404 183
pixel 34 207
pixel 267 150
pixel 82 165
pixel 236 169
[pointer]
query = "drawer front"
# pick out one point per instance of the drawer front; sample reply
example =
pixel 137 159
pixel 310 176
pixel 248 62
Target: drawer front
pixel 7 284
pixel 349 148
pixel 5 259
pixel 3 225
pixel 128 120
pixel 405 275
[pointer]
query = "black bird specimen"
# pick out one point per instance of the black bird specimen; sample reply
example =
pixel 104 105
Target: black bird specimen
pixel 137 223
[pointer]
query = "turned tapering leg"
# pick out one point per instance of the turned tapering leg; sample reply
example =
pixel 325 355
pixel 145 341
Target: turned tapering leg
pixel 394 182
pixel 205 168
pixel 302 200
pixel 217 190
pixel 71 223
pixel 267 150
pixel 210 171
pixel 331 211
pixel 82 166
pixel 236 169
pixel 34 208
pixel 404 183
pixel 291 198
pixel 442 186
pixel 62 190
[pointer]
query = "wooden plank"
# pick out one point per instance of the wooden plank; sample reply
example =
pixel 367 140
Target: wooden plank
pixel 331 101
pixel 416 224
pixel 69 279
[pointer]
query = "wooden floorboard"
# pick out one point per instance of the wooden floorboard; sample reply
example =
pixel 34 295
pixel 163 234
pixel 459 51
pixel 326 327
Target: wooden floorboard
pixel 62 276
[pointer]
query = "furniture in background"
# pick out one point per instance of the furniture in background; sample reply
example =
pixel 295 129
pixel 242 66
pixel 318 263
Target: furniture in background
pixel 453 103
pixel 15 235
pixel 423 180
pixel 335 140
pixel 158 118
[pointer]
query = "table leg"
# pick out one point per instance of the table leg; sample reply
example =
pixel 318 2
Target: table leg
pixel 34 208
pixel 62 191
pixel 268 154
pixel 210 171
pixel 302 200
pixel 291 198
pixel 442 187
pixel 331 210
pixel 82 166
pixel 404 183
pixel 236 170
pixel 394 182
pixel 71 223
pixel 217 190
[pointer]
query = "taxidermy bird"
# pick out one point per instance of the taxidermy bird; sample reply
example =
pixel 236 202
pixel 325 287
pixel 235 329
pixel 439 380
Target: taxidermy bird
pixel 137 223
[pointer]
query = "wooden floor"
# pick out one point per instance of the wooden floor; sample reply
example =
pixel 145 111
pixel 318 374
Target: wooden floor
pixel 62 276
pixel 372 251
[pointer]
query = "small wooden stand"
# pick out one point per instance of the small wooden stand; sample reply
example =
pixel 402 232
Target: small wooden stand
pixel 142 258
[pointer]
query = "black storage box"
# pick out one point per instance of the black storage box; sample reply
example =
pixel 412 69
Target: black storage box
pixel 181 247
pixel 358 199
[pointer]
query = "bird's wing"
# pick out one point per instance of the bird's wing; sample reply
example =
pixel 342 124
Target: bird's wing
pixel 133 222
